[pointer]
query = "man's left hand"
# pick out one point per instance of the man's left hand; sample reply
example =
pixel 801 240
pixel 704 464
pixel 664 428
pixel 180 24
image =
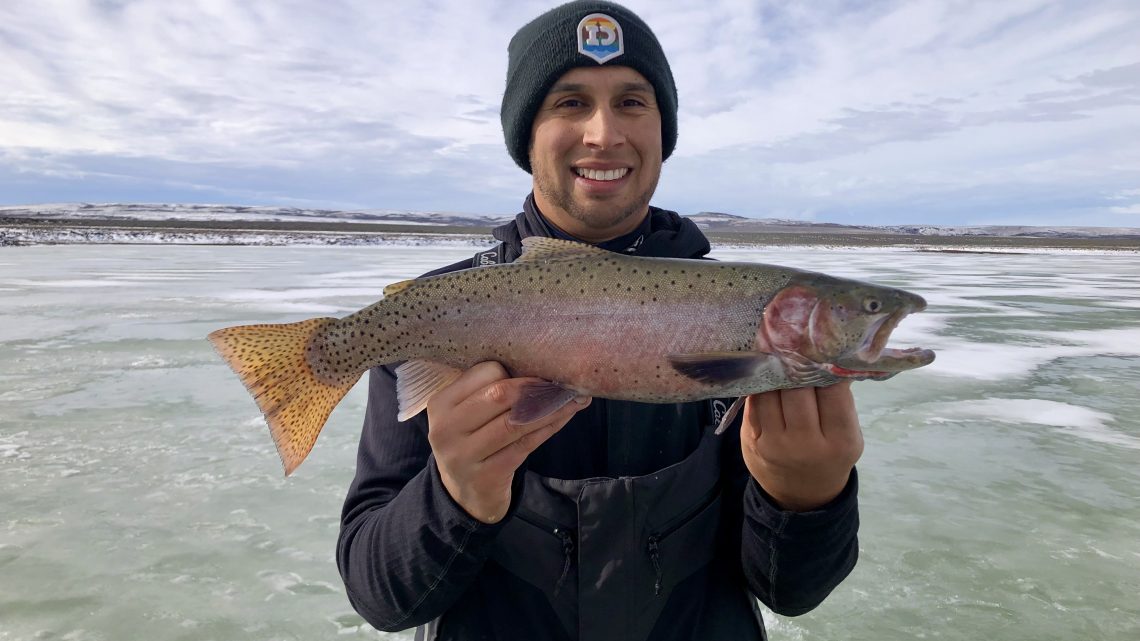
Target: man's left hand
pixel 801 444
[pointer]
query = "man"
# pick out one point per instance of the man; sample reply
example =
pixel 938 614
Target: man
pixel 606 520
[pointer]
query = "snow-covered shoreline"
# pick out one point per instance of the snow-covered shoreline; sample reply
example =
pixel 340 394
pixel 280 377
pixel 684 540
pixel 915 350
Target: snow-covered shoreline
pixel 11 236
pixel 32 235
pixel 63 213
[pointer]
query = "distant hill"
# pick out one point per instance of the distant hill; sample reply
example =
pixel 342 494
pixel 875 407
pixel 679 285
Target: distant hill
pixel 226 213
pixel 710 221
pixel 721 222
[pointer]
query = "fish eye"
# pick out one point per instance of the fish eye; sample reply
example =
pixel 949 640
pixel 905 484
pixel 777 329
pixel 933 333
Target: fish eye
pixel 872 305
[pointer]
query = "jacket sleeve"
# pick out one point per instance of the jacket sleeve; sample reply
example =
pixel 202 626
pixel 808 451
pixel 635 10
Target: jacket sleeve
pixel 791 560
pixel 406 550
pixel 794 560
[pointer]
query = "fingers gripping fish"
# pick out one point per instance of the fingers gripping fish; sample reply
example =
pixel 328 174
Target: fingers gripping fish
pixel 587 322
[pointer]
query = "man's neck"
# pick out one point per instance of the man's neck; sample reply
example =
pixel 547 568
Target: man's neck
pixel 626 242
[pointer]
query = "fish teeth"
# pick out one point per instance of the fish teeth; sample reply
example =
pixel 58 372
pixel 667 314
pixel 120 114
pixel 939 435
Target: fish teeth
pixel 602 174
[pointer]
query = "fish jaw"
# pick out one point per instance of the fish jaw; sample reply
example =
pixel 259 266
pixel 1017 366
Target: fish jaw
pixel 877 361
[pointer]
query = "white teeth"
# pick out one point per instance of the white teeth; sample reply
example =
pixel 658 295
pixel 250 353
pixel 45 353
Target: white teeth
pixel 598 174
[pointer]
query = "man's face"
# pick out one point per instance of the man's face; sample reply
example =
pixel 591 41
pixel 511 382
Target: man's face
pixel 596 152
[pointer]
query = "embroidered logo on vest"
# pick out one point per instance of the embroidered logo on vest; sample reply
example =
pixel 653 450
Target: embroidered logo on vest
pixel 488 257
pixel 719 408
pixel 599 37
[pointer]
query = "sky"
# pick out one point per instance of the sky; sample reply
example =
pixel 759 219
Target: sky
pixel 860 112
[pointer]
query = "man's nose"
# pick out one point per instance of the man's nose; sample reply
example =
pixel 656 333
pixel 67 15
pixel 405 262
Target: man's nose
pixel 603 129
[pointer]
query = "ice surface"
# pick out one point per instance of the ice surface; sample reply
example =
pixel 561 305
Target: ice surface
pixel 998 486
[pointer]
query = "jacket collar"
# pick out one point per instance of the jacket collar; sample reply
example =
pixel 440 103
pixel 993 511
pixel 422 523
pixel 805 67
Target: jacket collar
pixel 663 234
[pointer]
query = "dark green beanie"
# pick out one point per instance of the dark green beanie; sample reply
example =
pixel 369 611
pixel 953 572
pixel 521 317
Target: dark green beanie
pixel 547 47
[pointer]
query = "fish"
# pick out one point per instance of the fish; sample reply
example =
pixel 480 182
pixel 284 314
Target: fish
pixel 582 321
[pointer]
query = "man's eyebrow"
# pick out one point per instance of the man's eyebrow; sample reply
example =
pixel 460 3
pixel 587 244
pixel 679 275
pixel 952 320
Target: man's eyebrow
pixel 567 87
pixel 573 87
pixel 637 86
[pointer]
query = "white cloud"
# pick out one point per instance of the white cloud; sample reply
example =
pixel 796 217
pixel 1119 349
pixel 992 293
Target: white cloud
pixel 825 109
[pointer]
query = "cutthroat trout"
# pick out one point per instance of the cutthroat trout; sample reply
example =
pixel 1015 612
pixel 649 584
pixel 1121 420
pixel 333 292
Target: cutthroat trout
pixel 587 322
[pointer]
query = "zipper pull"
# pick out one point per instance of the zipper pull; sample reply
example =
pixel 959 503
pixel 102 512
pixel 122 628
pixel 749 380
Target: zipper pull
pixel 568 554
pixel 655 557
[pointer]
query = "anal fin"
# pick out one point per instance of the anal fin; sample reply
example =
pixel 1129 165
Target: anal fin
pixel 417 381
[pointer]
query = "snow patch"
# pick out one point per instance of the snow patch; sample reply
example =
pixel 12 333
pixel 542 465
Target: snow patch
pixel 1075 420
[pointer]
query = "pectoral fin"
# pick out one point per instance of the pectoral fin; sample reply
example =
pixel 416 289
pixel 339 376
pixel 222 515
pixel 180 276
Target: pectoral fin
pixel 539 400
pixel 719 368
pixel 417 382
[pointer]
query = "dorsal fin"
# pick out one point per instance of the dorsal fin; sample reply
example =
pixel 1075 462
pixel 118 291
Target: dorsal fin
pixel 397 287
pixel 536 248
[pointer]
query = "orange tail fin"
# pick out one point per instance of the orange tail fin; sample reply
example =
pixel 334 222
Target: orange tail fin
pixel 270 360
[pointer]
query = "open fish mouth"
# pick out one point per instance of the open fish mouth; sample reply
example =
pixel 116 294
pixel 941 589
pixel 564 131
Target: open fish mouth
pixel 874 359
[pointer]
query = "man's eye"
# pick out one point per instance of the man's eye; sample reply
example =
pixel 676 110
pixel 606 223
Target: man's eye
pixel 632 102
pixel 571 102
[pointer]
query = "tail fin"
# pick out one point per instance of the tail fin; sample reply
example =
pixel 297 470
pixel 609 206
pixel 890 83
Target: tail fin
pixel 270 360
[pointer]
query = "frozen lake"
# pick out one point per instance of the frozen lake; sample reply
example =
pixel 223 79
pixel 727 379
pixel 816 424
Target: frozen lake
pixel 141 496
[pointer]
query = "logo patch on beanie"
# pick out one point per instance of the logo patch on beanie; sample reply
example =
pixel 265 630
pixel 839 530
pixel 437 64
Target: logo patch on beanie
pixel 599 37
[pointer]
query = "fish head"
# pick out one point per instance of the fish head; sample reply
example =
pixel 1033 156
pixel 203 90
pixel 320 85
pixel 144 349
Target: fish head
pixel 841 326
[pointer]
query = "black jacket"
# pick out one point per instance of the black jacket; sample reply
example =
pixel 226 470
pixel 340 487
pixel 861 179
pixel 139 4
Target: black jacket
pixel 409 555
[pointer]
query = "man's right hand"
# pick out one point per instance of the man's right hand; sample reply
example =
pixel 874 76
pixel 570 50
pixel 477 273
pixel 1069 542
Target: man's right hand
pixel 476 448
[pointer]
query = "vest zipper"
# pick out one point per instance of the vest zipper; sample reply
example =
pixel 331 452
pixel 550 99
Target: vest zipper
pixel 671 527
pixel 568 552
pixel 655 557
pixel 564 534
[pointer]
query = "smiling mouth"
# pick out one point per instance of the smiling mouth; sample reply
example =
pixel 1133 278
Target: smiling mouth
pixel 603 175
